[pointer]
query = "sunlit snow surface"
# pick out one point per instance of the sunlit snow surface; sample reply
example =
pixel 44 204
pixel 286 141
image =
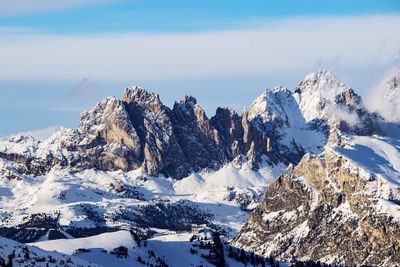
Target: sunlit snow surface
pixel 378 158
pixel 8 246
pixel 172 247
pixel 63 192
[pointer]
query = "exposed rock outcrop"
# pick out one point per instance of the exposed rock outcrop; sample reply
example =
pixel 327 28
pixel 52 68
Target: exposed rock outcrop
pixel 325 209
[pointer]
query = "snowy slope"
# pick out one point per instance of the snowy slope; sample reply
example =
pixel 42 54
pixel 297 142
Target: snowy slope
pixel 220 193
pixel 279 106
pixel 106 241
pixel 32 256
pixel 378 158
pixel 173 248
pixel 378 155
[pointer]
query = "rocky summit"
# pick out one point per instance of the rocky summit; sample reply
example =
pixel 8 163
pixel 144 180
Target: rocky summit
pixel 303 174
pixel 139 131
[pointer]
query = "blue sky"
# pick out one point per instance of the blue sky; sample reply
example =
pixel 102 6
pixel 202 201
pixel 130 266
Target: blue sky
pixel 178 15
pixel 222 52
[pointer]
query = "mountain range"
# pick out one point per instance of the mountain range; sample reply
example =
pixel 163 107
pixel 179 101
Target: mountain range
pixel 303 174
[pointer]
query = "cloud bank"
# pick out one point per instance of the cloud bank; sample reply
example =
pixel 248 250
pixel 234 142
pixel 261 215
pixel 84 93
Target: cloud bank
pixel 283 45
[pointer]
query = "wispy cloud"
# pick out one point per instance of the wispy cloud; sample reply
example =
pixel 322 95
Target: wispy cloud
pixel 384 98
pixel 68 109
pixel 282 45
pixel 10 8
pixel 351 118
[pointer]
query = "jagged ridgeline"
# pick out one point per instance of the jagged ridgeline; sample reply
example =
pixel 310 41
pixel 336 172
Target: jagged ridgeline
pixel 139 131
pixel 336 202
pixel 341 206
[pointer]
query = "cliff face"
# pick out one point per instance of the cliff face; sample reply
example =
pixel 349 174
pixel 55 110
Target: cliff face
pixel 328 209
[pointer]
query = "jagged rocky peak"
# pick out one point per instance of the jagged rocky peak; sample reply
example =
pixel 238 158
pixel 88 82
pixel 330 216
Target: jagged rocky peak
pixel 189 100
pixel 321 94
pixel 186 104
pixel 141 97
pixel 322 97
pixel 196 135
pixel 139 131
pixel 269 106
pixel 109 121
pixel 231 131
pixel 190 111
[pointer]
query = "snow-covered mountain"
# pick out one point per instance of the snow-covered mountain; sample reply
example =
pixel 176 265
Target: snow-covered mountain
pixel 137 165
pixel 338 207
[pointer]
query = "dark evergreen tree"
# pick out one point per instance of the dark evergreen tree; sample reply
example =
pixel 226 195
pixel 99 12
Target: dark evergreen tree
pixel 230 252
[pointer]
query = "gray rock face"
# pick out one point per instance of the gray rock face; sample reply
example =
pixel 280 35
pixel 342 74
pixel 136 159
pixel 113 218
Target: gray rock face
pixel 230 127
pixel 139 131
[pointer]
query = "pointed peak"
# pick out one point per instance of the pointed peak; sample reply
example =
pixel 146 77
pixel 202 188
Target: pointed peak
pixel 276 90
pixel 281 89
pixel 321 94
pixel 139 94
pixel 226 110
pixel 322 82
pixel 269 105
pixel 189 100
pixel 322 74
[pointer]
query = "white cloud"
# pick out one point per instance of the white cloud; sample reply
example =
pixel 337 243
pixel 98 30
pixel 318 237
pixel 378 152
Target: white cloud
pixel 384 98
pixel 285 45
pixel 351 118
pixel 26 7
